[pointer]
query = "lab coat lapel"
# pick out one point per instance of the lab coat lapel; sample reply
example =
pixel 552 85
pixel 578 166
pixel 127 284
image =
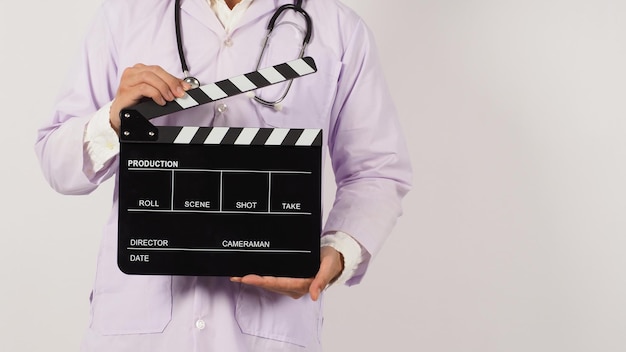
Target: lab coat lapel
pixel 201 11
pixel 260 8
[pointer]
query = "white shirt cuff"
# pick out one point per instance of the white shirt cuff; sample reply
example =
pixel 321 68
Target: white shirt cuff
pixel 349 248
pixel 101 141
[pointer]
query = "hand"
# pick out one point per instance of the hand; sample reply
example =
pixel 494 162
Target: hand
pixel 145 81
pixel 331 266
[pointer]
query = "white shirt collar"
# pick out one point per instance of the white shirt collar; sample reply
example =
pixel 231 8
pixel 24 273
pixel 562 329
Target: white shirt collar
pixel 229 18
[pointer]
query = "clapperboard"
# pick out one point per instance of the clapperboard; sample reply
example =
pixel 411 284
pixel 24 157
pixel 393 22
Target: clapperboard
pixel 219 201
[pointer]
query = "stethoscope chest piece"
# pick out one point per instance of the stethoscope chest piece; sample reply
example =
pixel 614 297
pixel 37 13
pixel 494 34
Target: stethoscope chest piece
pixel 193 82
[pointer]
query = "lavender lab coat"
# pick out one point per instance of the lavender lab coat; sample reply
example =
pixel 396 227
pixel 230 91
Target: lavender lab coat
pixel 347 97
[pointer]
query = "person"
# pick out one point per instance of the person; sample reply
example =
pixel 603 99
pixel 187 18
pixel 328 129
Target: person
pixel 129 54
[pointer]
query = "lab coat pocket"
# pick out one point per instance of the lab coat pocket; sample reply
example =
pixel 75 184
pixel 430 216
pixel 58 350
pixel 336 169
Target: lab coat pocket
pixel 308 102
pixel 143 307
pixel 274 316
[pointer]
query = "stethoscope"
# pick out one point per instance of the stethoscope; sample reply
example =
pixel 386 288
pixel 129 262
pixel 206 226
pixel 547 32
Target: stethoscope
pixel 296 6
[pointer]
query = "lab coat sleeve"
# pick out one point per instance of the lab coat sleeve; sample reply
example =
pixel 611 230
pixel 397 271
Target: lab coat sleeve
pixel 60 143
pixel 368 152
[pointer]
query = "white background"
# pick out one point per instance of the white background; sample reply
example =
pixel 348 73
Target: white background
pixel 513 237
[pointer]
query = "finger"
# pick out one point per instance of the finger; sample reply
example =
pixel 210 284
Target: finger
pixel 322 279
pixel 131 92
pixel 176 86
pixel 149 91
pixel 169 86
pixel 330 267
pixel 146 84
pixel 293 287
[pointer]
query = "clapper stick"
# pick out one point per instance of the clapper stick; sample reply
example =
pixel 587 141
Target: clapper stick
pixel 223 89
pixel 135 125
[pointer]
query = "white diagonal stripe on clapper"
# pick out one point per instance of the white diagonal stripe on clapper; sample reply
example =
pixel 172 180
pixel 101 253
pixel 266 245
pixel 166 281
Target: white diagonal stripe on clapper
pixel 216 135
pixel 243 83
pixel 213 91
pixel 185 135
pixel 307 137
pixel 277 137
pixel 301 67
pixel 271 75
pixel 246 136
pixel 186 102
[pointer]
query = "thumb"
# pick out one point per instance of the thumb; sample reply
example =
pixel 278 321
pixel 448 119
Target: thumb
pixel 318 285
pixel 329 269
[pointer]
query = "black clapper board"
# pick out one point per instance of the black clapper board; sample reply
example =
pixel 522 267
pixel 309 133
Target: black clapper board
pixel 219 201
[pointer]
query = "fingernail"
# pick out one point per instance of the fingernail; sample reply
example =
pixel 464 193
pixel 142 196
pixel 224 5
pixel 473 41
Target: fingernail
pixel 317 296
pixel 186 86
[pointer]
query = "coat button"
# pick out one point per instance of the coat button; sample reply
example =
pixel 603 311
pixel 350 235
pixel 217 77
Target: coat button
pixel 228 42
pixel 200 324
pixel 222 108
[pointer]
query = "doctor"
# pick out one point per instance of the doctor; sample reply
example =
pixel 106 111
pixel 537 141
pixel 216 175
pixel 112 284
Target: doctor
pixel 131 52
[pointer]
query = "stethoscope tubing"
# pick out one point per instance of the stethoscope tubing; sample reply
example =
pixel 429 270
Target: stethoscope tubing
pixel 194 82
pixel 296 6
